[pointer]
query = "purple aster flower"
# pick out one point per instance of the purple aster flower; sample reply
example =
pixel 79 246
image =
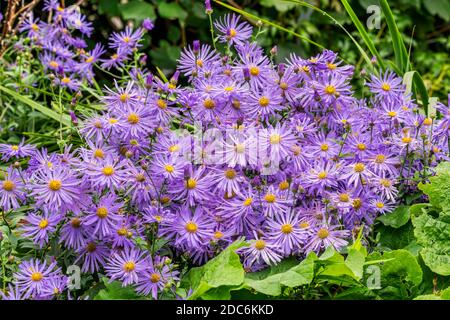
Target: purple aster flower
pixel 232 30
pixel 33 276
pixel 54 287
pixel 194 188
pixel 263 104
pixel 126 40
pixel 55 189
pixel 103 217
pixel 147 24
pixel 126 266
pixel 11 189
pixel 275 202
pixel 13 293
pixel 39 227
pixel 326 235
pixel 254 64
pixel 356 174
pixel 321 175
pixel 260 251
pixel 16 150
pixel 74 233
pixel 285 232
pixel 193 60
pixel 93 255
pixel 227 181
pixel 107 174
pixel 386 86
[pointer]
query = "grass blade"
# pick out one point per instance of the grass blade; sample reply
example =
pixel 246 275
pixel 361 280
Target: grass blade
pixel 401 55
pixel 415 84
pixel 361 50
pixel 252 16
pixel 363 33
pixel 36 106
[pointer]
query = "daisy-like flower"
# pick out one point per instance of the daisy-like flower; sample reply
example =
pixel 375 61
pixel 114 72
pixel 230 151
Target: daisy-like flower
pixel 121 98
pixel 380 161
pixel 263 104
pixel 11 190
pixel 94 255
pixel 240 149
pixel 232 30
pixel 326 235
pixel 155 277
pixel 103 217
pixel 126 40
pixel 254 66
pixel 55 189
pixel 20 150
pixel 356 174
pixel 109 173
pixel 285 232
pixel 93 129
pixel 12 293
pixel 34 275
pixel 275 202
pixel 385 186
pixel 381 205
pixel 193 59
pixel 126 266
pixel 227 180
pixel 386 86
pixel 39 227
pixel 54 287
pixel 321 175
pixel 278 140
pixel 189 230
pixel 74 233
pixel 261 250
pixel 122 236
pixel 194 188
pixel 136 121
pixel 168 167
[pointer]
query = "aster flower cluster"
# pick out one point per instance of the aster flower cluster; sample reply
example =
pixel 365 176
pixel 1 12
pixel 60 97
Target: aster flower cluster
pixel 64 52
pixel 283 155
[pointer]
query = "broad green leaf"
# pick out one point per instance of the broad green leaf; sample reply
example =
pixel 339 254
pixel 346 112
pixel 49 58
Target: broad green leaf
pixel 438 189
pixel 115 291
pixel 270 282
pixel 223 270
pixel 438 7
pixel 137 10
pixel 399 217
pixel 172 10
pixel 414 83
pixel 404 265
pixel 355 262
pixel 428 297
pixel 36 106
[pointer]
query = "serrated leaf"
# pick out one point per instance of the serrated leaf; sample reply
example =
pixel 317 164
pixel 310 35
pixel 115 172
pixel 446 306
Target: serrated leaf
pixel 397 218
pixel 403 265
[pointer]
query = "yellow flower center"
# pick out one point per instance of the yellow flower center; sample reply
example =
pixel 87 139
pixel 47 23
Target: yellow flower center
pixel 154 278
pixel 379 205
pixel 75 223
pixel 283 86
pixel 129 266
pixel 191 227
pixel 91 247
pixel 8 185
pixel 108 171
pixel 122 232
pixel 99 153
pixel 275 138
pixel 124 97
pixel 90 59
pixel 240 148
pixel 174 148
pixel 53 64
pixel 386 87
pixel 359 167
pixel 102 212
pixel 260 244
pixel 161 104
pixel 324 147
pixel 304 225
pixel 283 185
pixel 126 39
pixel 191 183
pixel 385 183
pixel 169 168
pixel 233 33
pixel 392 114
pixel 218 234
pixel 406 139
pixel 35 27
pixel 344 197
pixel 270 198
pixel 322 175
pixel 165 199
pixel 230 173
pixel 112 121
pixel 209 104
pixel 330 90
pixel 199 63
pixel 322 233
pixel 248 202
pixel 15 148
pixel 37 276
pixel 296 150
pixel 264 101
pixel 65 80
pixel 361 146
pixel 254 71
pixel 380 158
pixel 357 203
pixel 43 224
pixel 427 121
pixel 331 66
pixel 55 185
pixel 287 228
pixel 133 118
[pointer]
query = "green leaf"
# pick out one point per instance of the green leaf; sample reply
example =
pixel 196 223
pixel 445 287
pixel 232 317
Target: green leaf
pixel 355 262
pixel 399 217
pixel 363 33
pixel 440 8
pixel 36 106
pixel 438 189
pixel 223 270
pixel 270 281
pixel 172 11
pixel 109 7
pixel 414 83
pixel 401 56
pixel 280 6
pixel 115 291
pixel 137 10
pixel 404 265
